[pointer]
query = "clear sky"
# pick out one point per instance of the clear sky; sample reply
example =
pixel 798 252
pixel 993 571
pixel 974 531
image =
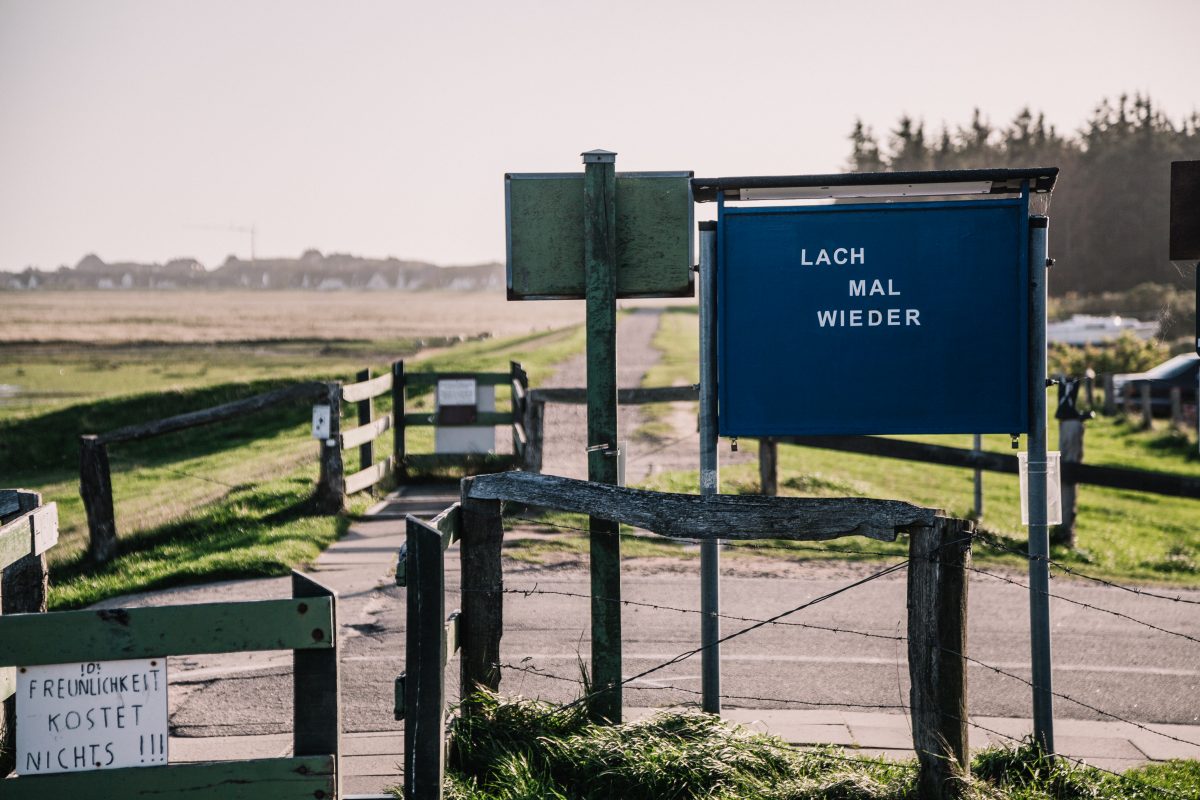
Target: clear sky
pixel 130 128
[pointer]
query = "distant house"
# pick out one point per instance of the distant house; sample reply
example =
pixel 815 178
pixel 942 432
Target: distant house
pixel 330 284
pixel 377 282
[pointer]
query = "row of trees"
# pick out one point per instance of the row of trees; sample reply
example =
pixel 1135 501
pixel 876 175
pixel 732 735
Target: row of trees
pixel 1110 210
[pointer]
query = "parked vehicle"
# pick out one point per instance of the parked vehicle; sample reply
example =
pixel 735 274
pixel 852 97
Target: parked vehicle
pixel 1179 371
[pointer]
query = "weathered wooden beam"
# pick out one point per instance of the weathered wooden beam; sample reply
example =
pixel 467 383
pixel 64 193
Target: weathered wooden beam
pixel 31 533
pixel 258 779
pixel 368 477
pixel 690 516
pixel 311 390
pixel 483 607
pixel 366 388
pixel 95 488
pixel 626 397
pixel 937 641
pixel 316 687
pixel 425 664
pixel 366 433
pixel 119 633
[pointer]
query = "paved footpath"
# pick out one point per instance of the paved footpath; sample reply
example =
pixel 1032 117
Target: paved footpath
pixel 240 705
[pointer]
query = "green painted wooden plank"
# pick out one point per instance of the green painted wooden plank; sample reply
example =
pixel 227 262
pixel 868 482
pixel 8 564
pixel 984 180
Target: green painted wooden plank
pixel 654 225
pixel 16 541
pixel 601 260
pixel 424 379
pixel 63 637
pixel 449 524
pixel 483 419
pixel 259 779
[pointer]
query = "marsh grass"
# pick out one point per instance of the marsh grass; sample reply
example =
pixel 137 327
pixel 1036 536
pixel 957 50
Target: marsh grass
pixel 518 749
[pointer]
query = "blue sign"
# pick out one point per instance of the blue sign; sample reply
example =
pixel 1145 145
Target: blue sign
pixel 872 319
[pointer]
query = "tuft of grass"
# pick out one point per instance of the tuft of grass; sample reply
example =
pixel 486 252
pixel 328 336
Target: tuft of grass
pixel 518 749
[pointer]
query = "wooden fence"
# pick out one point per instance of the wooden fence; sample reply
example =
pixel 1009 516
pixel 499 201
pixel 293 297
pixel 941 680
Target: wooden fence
pixel 939 550
pixel 27 530
pixel 517 417
pixel 95 477
pixel 305 624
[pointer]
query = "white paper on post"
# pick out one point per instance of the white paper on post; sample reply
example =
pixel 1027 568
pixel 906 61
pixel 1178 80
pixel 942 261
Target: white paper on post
pixel 320 426
pixel 91 715
pixel 457 392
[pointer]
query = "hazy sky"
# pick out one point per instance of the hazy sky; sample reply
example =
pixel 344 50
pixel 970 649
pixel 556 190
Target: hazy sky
pixel 127 126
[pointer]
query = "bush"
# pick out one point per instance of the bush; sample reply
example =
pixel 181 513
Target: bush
pixel 1126 353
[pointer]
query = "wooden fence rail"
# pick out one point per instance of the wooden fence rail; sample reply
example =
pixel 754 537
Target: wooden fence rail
pixel 937 596
pixel 95 475
pixel 1137 480
pixel 27 530
pixel 305 624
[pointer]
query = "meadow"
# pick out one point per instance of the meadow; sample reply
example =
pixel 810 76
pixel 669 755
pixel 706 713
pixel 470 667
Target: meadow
pixel 228 500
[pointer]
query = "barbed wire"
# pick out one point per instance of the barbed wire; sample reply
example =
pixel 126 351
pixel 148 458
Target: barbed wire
pixel 1082 604
pixel 990 540
pixel 689 653
pixel 1080 703
pixel 641 604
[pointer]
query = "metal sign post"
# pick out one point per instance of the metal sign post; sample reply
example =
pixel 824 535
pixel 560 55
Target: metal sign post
pixel 600 267
pixel 1039 541
pixel 710 553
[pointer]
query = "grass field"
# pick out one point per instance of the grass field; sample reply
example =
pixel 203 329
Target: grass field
pixel 1122 535
pixel 228 500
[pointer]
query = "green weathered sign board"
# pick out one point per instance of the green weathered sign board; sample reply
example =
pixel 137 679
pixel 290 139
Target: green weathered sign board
pixel 544 213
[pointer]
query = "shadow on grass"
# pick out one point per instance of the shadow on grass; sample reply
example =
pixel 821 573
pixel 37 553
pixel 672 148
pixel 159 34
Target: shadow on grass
pixel 260 531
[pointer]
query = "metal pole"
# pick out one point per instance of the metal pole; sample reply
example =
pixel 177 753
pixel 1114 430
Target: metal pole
pixel 978 445
pixel 1039 543
pixel 600 267
pixel 710 553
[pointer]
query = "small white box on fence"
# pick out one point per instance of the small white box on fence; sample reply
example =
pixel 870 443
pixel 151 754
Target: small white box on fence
pixel 320 429
pixel 456 392
pixel 93 715
pixel 1053 487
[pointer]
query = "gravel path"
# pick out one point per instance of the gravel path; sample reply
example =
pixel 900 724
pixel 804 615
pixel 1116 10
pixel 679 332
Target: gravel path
pixel 566 425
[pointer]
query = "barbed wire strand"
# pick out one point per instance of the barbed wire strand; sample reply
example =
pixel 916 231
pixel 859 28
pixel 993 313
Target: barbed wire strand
pixel 689 653
pixel 560 593
pixel 1080 703
pixel 990 541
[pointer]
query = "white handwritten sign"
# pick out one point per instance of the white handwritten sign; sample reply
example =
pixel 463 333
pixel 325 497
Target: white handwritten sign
pixel 458 392
pixel 94 715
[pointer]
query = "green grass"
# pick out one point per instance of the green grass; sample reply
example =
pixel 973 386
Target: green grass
pixel 220 501
pixel 522 750
pixel 1121 535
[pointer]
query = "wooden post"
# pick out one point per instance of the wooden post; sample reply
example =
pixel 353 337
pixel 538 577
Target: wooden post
pixel 366 412
pixel 1089 389
pixel 535 419
pixel 937 641
pixel 425 664
pixel 1110 395
pixel 331 486
pixel 1127 397
pixel 482 622
pixel 316 688
pixel 600 267
pixel 398 420
pixel 95 487
pixel 1147 415
pixel 1176 407
pixel 1070 444
pixel 768 466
